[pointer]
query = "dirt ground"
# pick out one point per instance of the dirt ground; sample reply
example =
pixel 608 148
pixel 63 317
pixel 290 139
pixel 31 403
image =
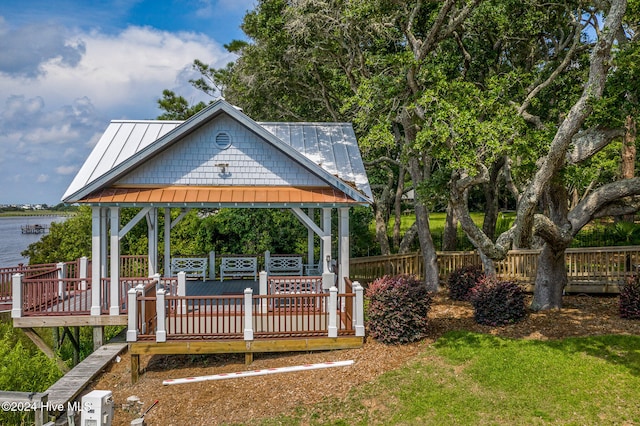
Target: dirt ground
pixel 238 400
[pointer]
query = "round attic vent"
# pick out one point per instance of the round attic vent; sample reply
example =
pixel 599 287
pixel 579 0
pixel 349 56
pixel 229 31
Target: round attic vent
pixel 223 140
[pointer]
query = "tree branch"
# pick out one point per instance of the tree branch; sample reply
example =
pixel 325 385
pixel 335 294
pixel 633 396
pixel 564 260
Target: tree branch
pixel 589 142
pixel 555 158
pixel 600 200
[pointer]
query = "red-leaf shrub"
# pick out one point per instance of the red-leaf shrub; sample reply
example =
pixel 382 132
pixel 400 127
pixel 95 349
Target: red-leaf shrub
pixel 462 280
pixel 497 302
pixel 629 303
pixel 398 308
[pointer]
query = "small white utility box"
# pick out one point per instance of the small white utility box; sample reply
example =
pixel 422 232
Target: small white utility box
pixel 97 408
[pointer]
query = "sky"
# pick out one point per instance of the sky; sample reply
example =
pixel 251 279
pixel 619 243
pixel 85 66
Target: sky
pixel 68 67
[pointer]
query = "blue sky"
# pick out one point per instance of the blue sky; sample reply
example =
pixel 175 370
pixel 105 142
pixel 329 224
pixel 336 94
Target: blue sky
pixel 68 67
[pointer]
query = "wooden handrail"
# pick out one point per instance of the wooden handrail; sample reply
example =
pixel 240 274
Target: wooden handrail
pixel 594 266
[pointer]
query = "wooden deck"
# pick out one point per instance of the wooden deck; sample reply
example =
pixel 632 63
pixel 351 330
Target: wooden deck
pixel 74 308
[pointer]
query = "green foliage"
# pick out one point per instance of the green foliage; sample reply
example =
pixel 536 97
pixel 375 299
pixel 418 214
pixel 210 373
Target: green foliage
pixel 629 304
pixel 362 240
pixel 24 368
pixel 497 303
pixel 176 107
pixel 608 235
pixel 462 280
pixel 398 308
pixel 252 231
pixel 66 241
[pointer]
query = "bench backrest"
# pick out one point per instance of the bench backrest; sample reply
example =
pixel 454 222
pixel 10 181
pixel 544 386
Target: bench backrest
pixel 189 263
pixel 192 266
pixel 285 265
pixel 239 263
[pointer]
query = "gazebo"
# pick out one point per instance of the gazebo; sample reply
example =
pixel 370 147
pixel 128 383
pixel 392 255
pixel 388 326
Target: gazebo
pixel 218 158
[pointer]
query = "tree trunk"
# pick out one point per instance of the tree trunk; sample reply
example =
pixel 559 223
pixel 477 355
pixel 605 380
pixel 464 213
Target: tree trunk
pixel 491 200
pixel 488 265
pixel 424 233
pixel 427 248
pixel 551 279
pixel 551 276
pixel 408 238
pixel 381 229
pixel 450 233
pixel 629 155
pixel 397 207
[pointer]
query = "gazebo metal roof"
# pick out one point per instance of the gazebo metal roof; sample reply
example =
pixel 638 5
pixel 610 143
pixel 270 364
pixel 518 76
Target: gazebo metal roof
pixel 327 152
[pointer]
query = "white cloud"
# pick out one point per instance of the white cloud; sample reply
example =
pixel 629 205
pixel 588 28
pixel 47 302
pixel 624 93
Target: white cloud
pixel 54 107
pixel 26 48
pixel 66 170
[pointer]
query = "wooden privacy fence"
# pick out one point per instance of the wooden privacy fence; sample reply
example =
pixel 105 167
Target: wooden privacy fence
pixel 589 270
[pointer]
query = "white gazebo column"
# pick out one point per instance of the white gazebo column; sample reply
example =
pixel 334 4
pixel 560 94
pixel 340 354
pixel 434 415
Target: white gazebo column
pixel 343 247
pixel 310 237
pixel 152 236
pixel 96 259
pixel 167 242
pixel 104 242
pixel 114 283
pixel 326 240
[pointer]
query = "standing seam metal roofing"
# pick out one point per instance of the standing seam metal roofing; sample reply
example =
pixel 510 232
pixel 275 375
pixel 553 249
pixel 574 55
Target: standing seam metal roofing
pixel 124 139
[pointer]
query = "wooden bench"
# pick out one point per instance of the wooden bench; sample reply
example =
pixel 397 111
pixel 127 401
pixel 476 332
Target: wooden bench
pixel 284 264
pixel 239 267
pixel 191 266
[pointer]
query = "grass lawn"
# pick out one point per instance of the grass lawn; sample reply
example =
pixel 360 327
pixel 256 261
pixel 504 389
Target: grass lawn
pixel 467 378
pixel 436 220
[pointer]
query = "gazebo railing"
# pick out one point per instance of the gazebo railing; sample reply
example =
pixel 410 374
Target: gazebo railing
pixel 163 317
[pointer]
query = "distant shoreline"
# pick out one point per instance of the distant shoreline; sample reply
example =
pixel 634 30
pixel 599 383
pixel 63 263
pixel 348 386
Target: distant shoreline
pixel 37 213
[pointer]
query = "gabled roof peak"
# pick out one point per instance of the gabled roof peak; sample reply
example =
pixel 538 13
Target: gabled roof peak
pixel 128 144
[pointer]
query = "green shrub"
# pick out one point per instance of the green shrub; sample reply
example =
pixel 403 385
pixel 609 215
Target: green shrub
pixel 23 368
pixel 398 308
pixel 629 303
pixel 462 280
pixel 497 302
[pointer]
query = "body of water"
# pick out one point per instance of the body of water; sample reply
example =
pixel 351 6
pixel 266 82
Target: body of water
pixel 13 241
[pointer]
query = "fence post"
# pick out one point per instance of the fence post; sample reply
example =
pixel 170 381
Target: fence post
pixel 333 312
pixel 132 315
pixel 248 314
pixel 62 274
pixel 161 330
pixel 83 273
pixel 359 302
pixel 182 290
pixel 140 289
pixel 263 290
pixel 16 294
pixel 328 280
pixel 212 265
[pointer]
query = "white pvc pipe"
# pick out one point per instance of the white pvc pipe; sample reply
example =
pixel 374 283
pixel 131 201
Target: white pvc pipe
pixel 263 372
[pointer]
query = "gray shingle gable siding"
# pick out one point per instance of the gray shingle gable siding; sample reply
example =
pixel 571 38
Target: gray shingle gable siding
pixel 250 161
